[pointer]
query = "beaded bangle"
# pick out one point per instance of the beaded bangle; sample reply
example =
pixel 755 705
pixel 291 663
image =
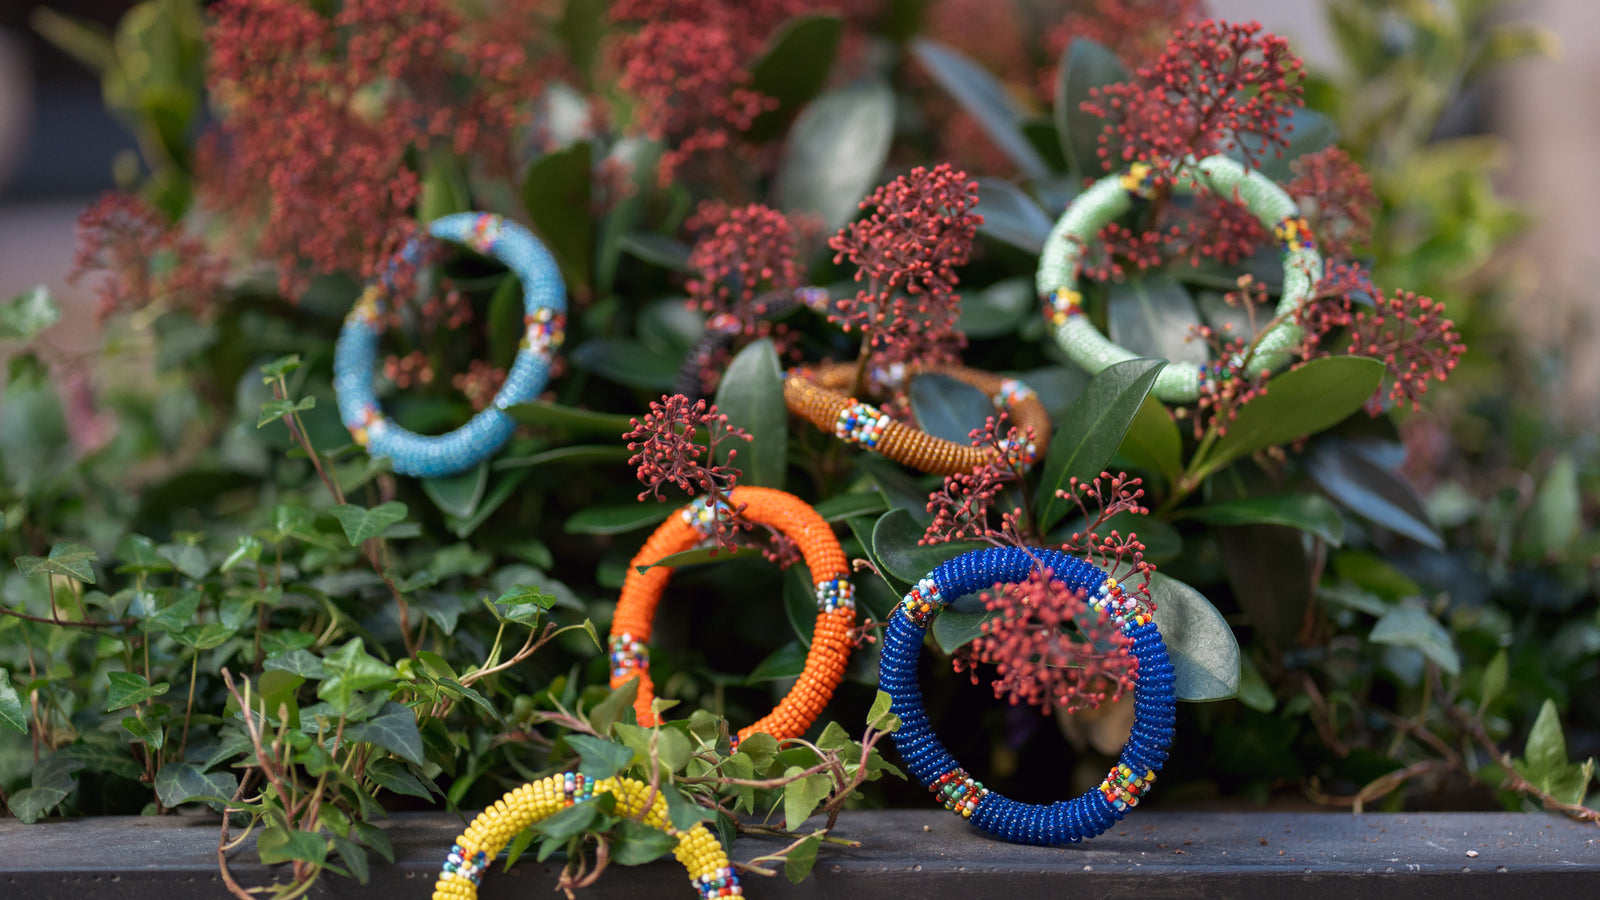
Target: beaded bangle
pixel 817 395
pixel 698 849
pixel 1025 823
pixel 836 609
pixel 544 301
pixel 1112 196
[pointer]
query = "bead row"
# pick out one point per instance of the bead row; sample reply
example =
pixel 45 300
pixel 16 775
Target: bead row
pixel 959 792
pixel 355 359
pixel 697 848
pixel 925 755
pixel 831 642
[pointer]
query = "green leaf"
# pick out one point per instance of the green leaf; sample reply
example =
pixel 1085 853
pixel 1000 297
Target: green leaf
pixel 1084 65
pixel 798 864
pixel 618 519
pixel 761 748
pixel 700 555
pixel 844 506
pixel 786 662
pixel 99 756
pixel 361 524
pixel 1153 443
pixel 570 821
pixel 186 558
pixel 1556 518
pixel 1270 572
pixel 394 729
pixel 1496 675
pixel 581 27
pixel 203 637
pixel 1153 316
pixel 793 69
pixel 1204 651
pixel 1010 215
pixel 947 408
pixel 998 309
pixel 1371 490
pixel 1312 513
pixel 616 707
pixel 836 151
pixel 298 662
pixel 953 629
pixel 599 757
pixel 802 797
pixel 154 735
pixel 881 716
pixel 524 604
pixel 985 98
pixel 579 453
pixel 279 367
pixel 557 194
pixel 1546 751
pixel 458 495
pixel 68 560
pixel 25 315
pixel 751 395
pixel 350 670
pixel 628 362
pixel 1302 401
pixel 139 556
pixel 894 543
pixel 636 843
pixel 273 410
pixel 84 40
pixel 11 713
pixel 658 249
pixel 392 775
pixel 178 783
pixel 1088 436
pixel 569 419
pixel 30 804
pixel 1411 626
pixel 129 689
pixel 278 845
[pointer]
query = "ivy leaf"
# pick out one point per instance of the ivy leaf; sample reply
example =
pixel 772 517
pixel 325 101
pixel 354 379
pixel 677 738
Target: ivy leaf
pixel 11 713
pixel 28 313
pixel 361 524
pixel 1088 436
pixel 1545 763
pixel 835 152
pixel 139 556
pixel 394 729
pixel 178 783
pixel 523 604
pixel 751 395
pixel 392 775
pixel 273 410
pixel 1411 626
pixel 616 707
pixel 203 637
pixel 802 796
pixel 350 670
pixel 571 821
pixel 186 558
pixel 279 845
pixel 985 98
pixel 458 495
pixel 599 757
pixel 1204 651
pixel 1311 513
pixel 65 559
pixel 1302 401
pixel 1496 675
pixel 636 843
pixel 129 689
pixel 1084 65
pixel 798 864
pixel 880 716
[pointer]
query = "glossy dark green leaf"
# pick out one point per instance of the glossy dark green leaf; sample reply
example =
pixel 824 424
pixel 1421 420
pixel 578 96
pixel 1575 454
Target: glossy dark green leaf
pixel 1303 401
pixel 570 419
pixel 1010 215
pixel 844 506
pixel 394 729
pixel 894 544
pixel 130 688
pixel 793 69
pixel 1270 573
pixel 948 408
pixel 1204 651
pixel 392 775
pixel 751 396
pixel 1411 626
pixel 627 361
pixel 178 783
pixel 25 315
pixel 556 193
pixel 618 519
pixel 11 712
pixel 458 495
pixel 361 524
pixel 1312 513
pixel 700 555
pixel 579 453
pixel 836 151
pixel 786 662
pixel 1088 435
pixel 1370 490
pixel 657 249
pixel 1154 316
pixel 66 559
pixel 1153 442
pixel 1084 65
pixel 997 309
pixel 985 98
pixel 899 490
pixel 953 629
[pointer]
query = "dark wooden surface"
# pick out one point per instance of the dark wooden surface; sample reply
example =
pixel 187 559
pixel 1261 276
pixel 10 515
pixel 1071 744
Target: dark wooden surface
pixel 905 854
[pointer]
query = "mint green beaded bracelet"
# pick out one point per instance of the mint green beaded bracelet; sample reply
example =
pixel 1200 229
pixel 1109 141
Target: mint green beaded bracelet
pixel 1112 196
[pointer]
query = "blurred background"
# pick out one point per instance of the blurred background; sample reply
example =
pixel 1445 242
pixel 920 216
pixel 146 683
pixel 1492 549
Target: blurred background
pixel 58 145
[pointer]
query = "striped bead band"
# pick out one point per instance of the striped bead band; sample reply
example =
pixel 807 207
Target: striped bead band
pixel 1110 197
pixel 926 757
pixel 544 301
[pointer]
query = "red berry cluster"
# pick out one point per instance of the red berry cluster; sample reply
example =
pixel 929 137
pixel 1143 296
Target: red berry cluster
pixel 962 505
pixel 146 260
pixel 666 451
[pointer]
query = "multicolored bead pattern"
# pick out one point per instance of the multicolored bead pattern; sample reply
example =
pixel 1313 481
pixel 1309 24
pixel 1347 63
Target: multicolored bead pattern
pixel 544 300
pixel 1110 197
pixel 703 516
pixel 1117 603
pixel 629 656
pixel 925 755
pixel 817 395
pixel 831 641
pixel 959 792
pixel 697 848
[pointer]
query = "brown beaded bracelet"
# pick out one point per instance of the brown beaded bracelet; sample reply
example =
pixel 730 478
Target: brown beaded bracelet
pixel 817 395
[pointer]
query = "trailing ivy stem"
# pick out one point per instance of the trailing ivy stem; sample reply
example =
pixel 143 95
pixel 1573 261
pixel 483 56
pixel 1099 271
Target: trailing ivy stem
pixel 188 711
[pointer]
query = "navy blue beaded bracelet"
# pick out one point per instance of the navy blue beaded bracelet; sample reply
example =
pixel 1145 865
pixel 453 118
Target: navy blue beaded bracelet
pixel 1062 822
pixel 544 302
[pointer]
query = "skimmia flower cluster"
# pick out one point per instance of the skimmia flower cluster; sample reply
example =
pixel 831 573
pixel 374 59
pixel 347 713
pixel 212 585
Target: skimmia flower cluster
pixel 1135 30
pixel 145 259
pixel 918 231
pixel 743 256
pixel 961 507
pixel 667 451
pixel 1099 500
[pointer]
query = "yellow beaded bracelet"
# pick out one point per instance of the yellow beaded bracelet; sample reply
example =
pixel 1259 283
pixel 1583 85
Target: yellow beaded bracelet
pixel 698 849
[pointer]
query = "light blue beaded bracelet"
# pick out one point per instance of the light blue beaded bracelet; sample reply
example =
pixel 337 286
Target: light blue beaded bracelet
pixel 544 301
pixel 1025 823
pixel 1110 197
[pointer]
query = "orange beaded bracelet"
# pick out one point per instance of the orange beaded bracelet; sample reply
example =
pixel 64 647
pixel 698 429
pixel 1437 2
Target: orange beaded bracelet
pixel 817 395
pixel 633 622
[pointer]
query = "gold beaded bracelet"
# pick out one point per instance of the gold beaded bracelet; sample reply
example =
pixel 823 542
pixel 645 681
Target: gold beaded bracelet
pixel 698 849
pixel 818 396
